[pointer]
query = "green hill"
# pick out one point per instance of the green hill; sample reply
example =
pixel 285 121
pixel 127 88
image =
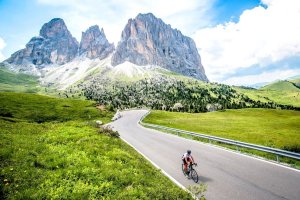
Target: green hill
pixel 39 108
pixel 10 81
pixel 281 86
pixel 162 91
pixel 296 82
pixel 169 93
pixel 281 92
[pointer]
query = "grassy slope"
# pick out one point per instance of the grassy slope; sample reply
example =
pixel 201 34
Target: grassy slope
pixel 10 81
pixel 282 92
pixel 275 128
pixel 280 86
pixel 296 82
pixel 65 157
pixel 38 108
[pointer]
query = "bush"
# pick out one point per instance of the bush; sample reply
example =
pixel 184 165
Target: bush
pixel 294 148
pixel 107 130
pixel 5 113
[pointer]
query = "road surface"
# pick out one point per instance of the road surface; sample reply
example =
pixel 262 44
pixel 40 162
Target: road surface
pixel 228 175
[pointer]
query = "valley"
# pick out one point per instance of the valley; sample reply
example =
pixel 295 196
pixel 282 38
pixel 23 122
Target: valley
pixel 57 92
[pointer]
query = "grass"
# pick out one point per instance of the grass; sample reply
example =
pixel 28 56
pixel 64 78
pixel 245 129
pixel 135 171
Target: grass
pixel 64 155
pixel 296 82
pixel 38 108
pixel 268 127
pixel 282 92
pixel 274 128
pixel 285 97
pixel 19 82
pixel 10 81
pixel 281 85
pixel 269 156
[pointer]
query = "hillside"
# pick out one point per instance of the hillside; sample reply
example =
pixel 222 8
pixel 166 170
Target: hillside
pixel 171 92
pixel 296 82
pixel 10 81
pixel 281 92
pixel 281 86
pixel 50 148
pixel 129 85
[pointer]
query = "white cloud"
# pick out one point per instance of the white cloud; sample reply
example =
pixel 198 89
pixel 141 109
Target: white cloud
pixel 2 45
pixel 113 15
pixel 263 77
pixel 261 37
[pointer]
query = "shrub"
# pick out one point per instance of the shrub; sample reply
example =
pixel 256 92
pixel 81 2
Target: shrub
pixel 107 130
pixel 5 113
pixel 294 148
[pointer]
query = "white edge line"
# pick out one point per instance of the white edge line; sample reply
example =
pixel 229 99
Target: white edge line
pixel 225 149
pixel 163 171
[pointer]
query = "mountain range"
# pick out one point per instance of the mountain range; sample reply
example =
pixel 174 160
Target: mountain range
pixel 147 46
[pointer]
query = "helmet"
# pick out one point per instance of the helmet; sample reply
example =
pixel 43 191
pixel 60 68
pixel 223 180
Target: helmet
pixel 189 151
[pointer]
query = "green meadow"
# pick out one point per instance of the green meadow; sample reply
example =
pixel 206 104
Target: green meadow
pixel 268 127
pixel 50 148
pixel 10 81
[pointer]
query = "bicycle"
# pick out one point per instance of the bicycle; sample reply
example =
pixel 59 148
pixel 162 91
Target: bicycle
pixel 191 172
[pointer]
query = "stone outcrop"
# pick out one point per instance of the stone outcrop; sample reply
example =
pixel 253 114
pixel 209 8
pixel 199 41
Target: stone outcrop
pixel 94 44
pixel 147 40
pixel 55 45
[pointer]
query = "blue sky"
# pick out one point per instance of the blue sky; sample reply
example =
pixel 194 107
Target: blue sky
pixel 238 41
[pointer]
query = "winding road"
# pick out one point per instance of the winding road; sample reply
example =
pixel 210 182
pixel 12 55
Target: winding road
pixel 228 175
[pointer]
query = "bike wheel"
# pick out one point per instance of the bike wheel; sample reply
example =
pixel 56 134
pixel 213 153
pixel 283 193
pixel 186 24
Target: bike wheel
pixel 182 168
pixel 194 175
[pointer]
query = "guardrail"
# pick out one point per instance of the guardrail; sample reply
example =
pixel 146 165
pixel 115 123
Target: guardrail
pixel 277 152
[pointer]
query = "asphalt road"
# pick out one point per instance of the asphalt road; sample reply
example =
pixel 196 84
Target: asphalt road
pixel 228 175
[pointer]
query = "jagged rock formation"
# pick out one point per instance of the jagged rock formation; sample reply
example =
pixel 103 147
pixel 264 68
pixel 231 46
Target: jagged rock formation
pixel 55 45
pixel 147 40
pixel 94 43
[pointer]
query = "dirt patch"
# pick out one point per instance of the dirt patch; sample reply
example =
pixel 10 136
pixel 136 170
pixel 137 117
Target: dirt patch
pixel 100 107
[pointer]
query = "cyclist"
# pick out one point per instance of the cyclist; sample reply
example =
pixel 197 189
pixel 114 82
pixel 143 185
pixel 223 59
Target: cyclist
pixel 187 159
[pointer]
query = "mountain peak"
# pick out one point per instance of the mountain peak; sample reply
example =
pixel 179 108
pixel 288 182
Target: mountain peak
pixel 94 28
pixel 55 45
pixel 147 40
pixel 54 28
pixel 145 16
pixel 94 43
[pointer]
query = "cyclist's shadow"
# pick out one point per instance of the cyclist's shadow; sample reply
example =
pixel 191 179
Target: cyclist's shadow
pixel 203 179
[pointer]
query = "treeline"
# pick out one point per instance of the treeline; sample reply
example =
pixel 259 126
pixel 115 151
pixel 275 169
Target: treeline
pixel 166 93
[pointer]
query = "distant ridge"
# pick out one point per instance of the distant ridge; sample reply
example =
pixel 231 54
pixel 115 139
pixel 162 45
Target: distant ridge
pixel 281 86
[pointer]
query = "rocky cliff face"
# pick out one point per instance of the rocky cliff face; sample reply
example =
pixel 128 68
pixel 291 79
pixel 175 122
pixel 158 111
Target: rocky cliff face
pixel 94 44
pixel 55 45
pixel 147 40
